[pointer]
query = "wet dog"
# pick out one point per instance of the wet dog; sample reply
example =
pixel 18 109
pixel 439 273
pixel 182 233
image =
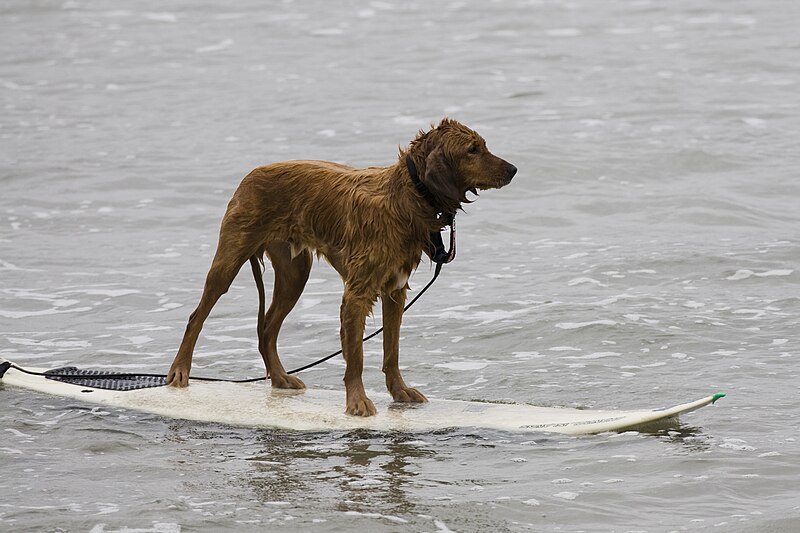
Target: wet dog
pixel 372 225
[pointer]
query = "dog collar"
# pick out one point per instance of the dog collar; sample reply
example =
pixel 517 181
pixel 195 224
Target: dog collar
pixel 439 254
pixel 421 187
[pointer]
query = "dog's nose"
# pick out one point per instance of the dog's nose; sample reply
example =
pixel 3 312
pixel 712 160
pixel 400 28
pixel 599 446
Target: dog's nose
pixel 511 170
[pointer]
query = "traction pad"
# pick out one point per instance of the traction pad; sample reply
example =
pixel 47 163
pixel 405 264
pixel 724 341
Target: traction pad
pixel 104 379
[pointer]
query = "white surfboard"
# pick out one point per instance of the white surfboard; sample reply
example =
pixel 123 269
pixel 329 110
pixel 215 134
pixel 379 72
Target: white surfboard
pixel 257 405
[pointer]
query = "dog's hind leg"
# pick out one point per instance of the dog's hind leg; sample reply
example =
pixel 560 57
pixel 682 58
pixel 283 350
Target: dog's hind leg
pixel 256 263
pixel 291 275
pixel 232 252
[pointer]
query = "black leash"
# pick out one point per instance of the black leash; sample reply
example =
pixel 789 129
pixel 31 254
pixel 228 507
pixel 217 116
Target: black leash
pixel 377 331
pixel 439 255
pixel 156 380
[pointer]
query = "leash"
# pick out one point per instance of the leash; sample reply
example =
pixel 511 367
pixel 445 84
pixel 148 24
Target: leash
pixel 440 256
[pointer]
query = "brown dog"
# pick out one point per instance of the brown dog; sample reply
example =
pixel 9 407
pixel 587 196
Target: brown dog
pixel 372 225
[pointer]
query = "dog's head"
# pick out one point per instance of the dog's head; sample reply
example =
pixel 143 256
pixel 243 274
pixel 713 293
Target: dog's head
pixel 452 159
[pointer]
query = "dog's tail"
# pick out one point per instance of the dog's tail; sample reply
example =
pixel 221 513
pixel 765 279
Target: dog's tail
pixel 257 264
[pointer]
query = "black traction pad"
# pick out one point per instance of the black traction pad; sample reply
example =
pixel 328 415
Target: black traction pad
pixel 105 379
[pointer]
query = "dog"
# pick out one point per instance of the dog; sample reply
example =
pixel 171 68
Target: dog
pixel 372 225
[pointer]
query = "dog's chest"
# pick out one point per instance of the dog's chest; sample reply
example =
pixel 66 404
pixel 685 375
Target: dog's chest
pixel 400 280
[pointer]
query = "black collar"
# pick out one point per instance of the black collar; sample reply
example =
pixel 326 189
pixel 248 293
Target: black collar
pixel 421 187
pixel 437 251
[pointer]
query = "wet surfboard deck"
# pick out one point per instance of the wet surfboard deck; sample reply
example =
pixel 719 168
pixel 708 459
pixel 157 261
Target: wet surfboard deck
pixel 258 405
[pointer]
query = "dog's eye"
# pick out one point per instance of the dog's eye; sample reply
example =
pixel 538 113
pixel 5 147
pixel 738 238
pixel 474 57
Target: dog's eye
pixel 474 149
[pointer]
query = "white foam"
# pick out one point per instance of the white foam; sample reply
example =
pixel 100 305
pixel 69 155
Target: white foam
pixel 595 355
pixel 584 280
pixel 576 255
pixel 308 303
pixel 391 518
pixel 566 495
pixel 161 17
pixel 478 381
pixel 106 508
pixel 740 274
pixel 693 305
pixel 222 45
pixel 442 527
pixel 464 365
pixel 365 483
pixel 18 433
pixel 757 313
pixel 737 445
pixel 228 338
pixel 45 312
pixel 166 307
pixel 578 325
pixel 5 265
pixel 564 349
pixel 769 454
pixel 744 274
pixel 607 301
pixel 49 343
pixel 779 272
pixel 755 122
pixel 111 293
pixel 328 32
pixel 139 339
pixel 526 355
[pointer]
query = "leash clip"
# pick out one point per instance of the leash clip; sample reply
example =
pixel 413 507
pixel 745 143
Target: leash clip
pixel 440 255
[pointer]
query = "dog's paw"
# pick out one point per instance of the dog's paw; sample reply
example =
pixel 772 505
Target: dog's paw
pixel 361 407
pixel 286 382
pixel 410 395
pixel 178 378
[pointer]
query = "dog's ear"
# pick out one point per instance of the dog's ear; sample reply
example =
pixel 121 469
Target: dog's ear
pixel 441 180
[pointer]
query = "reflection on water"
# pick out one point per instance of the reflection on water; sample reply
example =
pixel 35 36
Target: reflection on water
pixel 693 439
pixel 363 470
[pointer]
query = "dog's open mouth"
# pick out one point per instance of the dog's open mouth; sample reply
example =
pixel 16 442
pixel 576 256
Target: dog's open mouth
pixel 488 185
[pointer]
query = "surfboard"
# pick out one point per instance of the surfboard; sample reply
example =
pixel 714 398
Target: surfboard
pixel 258 405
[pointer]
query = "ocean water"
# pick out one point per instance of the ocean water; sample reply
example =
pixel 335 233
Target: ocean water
pixel 647 253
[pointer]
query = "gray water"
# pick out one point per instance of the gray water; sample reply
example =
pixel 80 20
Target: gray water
pixel 647 253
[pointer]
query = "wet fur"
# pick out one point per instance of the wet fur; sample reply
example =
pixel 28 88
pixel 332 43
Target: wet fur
pixel 370 224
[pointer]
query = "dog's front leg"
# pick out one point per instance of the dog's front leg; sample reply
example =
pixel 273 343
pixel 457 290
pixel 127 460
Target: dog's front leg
pixel 353 314
pixel 392 305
